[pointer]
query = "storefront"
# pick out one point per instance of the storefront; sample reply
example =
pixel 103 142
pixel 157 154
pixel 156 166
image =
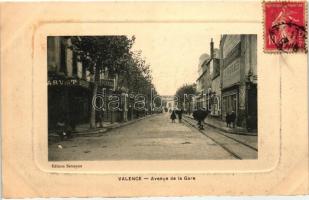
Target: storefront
pixel 69 101
pixel 115 108
pixel 252 107
pixel 230 101
pixel 239 79
pixel 231 89
pixel 215 105
pixel 200 101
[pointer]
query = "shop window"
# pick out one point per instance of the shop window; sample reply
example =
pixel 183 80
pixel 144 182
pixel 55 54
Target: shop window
pixel 229 104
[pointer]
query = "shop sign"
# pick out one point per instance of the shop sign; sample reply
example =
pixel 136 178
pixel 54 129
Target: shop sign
pixel 83 83
pixel 231 74
pixel 68 82
pixel 110 83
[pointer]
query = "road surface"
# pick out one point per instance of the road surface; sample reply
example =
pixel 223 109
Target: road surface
pixel 153 138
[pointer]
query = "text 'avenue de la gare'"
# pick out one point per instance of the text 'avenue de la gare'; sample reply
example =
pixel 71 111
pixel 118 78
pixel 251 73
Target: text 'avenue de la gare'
pixel 155 178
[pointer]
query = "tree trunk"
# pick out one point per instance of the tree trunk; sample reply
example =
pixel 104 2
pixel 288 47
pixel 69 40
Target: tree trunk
pixel 94 93
pixel 92 116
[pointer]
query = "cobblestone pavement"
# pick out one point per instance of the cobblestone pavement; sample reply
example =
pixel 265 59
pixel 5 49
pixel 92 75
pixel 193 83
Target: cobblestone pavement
pixel 153 138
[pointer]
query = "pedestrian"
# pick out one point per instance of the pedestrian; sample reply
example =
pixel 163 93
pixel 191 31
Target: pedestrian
pixel 63 129
pixel 173 116
pixel 233 118
pixel 99 118
pixel 230 119
pixel 200 115
pixel 179 113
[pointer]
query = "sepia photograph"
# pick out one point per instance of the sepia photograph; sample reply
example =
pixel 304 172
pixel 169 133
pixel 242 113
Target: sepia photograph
pixel 129 97
pixel 124 99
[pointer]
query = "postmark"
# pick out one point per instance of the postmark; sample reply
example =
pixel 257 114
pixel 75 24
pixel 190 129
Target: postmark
pixel 285 27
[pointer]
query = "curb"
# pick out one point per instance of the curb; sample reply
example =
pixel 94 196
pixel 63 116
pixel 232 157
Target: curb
pixel 224 130
pixel 99 131
pixel 106 129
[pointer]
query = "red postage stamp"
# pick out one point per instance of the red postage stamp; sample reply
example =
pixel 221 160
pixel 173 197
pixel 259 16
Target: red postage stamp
pixel 285 26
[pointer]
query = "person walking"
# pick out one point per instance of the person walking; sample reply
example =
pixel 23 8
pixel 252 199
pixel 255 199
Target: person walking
pixel 173 116
pixel 200 115
pixel 179 113
pixel 99 118
pixel 230 119
pixel 233 118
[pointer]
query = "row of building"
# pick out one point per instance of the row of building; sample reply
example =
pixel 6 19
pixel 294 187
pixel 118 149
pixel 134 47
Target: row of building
pixel 228 80
pixel 70 88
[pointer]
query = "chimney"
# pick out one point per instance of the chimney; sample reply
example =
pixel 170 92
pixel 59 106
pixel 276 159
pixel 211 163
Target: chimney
pixel 211 49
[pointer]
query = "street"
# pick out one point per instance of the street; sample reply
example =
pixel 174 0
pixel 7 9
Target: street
pixel 112 109
pixel 153 138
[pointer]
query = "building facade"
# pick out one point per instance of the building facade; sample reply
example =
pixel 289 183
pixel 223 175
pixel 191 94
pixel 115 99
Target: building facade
pixel 215 92
pixel 208 83
pixel 239 78
pixel 69 88
pixel 228 80
pixel 72 96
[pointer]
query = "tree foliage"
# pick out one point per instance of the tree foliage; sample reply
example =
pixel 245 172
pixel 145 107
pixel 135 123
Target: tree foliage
pixel 186 92
pixel 115 54
pixel 103 51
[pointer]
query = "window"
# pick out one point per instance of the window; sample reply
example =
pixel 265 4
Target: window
pixel 63 57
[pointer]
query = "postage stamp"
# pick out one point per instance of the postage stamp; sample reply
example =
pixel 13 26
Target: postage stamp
pixel 285 26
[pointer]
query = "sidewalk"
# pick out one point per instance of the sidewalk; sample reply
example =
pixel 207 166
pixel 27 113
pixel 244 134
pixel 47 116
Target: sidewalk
pixel 84 130
pixel 221 125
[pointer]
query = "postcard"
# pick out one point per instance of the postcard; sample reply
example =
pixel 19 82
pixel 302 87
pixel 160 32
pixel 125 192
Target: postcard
pixel 107 99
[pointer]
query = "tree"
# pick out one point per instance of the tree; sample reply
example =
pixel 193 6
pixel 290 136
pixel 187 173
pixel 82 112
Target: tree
pixel 114 53
pixel 98 52
pixel 185 95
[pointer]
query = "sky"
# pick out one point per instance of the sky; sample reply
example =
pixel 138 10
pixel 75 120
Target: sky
pixel 173 53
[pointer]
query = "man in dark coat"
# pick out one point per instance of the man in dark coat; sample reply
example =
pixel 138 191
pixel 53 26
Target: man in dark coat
pixel 230 119
pixel 99 118
pixel 233 118
pixel 173 116
pixel 179 113
pixel 200 115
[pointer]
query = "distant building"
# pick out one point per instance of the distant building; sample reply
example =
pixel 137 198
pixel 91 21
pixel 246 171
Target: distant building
pixel 169 100
pixel 208 82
